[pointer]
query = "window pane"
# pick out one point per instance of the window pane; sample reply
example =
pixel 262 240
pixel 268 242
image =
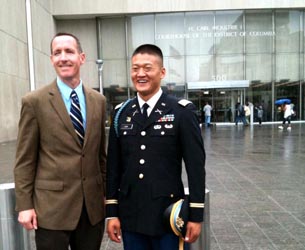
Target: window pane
pixel 199 26
pixel 199 68
pixel 140 30
pixel 113 38
pixel 113 52
pixel 259 68
pixel 174 70
pixel 227 32
pixel 170 34
pixel 114 73
pixel 259 33
pixel 287 27
pixel 287 67
pixel 229 67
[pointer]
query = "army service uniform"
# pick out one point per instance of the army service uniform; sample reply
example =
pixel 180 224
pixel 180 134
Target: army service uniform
pixel 145 163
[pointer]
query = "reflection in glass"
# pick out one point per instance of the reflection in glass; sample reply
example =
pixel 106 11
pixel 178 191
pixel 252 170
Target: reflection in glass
pixel 287 28
pixel 259 32
pixel 228 32
pixel 136 25
pixel 259 67
pixel 287 67
pixel 199 26
pixel 174 70
pixel 260 47
pixel 199 68
pixel 170 34
pixel 230 67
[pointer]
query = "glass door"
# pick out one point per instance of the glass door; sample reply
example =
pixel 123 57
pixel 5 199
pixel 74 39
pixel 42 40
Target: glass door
pixel 223 102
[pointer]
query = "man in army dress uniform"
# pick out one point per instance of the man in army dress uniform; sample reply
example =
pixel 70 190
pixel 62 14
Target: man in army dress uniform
pixel 149 137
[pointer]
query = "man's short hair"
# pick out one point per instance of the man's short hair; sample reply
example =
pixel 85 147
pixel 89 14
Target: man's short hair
pixel 79 47
pixel 149 49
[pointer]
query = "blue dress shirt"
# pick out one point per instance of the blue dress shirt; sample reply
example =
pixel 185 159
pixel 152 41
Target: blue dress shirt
pixel 65 91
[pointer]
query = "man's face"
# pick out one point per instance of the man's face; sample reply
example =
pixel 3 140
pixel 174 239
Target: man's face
pixel 66 59
pixel 146 74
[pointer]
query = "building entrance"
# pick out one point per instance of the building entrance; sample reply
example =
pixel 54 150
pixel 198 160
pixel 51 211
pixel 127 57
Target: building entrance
pixel 223 102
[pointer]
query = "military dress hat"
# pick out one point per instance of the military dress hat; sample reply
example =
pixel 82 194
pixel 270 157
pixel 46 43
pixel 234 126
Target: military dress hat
pixel 176 217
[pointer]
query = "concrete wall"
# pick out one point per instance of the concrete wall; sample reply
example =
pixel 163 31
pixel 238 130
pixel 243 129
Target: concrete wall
pixel 76 8
pixel 14 65
pixel 43 29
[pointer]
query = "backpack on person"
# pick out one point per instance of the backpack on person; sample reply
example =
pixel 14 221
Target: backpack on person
pixel 241 110
pixel 260 113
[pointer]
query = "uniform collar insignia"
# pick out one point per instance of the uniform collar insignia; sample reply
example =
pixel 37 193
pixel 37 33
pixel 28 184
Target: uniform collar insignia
pixel 135 112
pixel 158 111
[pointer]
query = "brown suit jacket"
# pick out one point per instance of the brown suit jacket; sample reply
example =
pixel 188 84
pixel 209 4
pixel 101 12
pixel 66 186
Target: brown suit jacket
pixel 54 174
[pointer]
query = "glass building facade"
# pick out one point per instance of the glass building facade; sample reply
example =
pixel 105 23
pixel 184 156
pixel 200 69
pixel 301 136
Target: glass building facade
pixel 222 57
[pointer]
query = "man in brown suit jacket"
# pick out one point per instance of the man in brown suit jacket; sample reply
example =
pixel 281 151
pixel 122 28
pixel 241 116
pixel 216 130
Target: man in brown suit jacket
pixel 60 178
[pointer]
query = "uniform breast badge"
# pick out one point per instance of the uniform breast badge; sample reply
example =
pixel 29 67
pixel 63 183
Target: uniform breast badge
pixel 167 118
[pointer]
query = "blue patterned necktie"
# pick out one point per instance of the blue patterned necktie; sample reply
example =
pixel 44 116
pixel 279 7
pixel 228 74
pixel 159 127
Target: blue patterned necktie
pixel 76 117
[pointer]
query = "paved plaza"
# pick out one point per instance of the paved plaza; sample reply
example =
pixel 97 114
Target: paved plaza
pixel 256 178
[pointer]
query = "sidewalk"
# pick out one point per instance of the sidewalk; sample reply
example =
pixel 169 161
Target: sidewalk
pixel 256 178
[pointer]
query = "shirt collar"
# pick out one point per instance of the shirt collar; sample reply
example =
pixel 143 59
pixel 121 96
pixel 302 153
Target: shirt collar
pixel 152 101
pixel 65 90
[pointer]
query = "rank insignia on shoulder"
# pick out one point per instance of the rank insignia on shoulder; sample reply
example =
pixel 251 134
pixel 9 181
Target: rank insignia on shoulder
pixel 184 102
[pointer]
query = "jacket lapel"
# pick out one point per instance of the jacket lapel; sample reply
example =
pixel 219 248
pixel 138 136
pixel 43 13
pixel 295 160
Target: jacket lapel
pixel 60 108
pixel 134 112
pixel 90 109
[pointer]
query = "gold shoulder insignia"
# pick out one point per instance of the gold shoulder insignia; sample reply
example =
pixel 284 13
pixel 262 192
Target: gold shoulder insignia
pixel 119 105
pixel 184 102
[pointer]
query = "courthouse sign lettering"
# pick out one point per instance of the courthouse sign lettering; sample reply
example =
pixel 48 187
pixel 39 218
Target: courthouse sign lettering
pixel 204 31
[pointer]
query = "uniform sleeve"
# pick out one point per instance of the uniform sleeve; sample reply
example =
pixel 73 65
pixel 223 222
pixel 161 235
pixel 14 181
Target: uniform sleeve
pixel 194 159
pixel 26 156
pixel 113 174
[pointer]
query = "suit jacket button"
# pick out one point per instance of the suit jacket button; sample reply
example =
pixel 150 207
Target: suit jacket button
pixel 143 147
pixel 141 176
pixel 142 161
pixel 172 195
pixel 143 133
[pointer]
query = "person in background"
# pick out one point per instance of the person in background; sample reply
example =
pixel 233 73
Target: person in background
pixel 286 108
pixel 207 114
pixel 260 113
pixel 148 139
pixel 247 113
pixel 60 164
pixel 240 114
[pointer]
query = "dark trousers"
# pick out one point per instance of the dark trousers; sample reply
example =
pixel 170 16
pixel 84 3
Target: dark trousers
pixel 136 241
pixel 288 119
pixel 84 237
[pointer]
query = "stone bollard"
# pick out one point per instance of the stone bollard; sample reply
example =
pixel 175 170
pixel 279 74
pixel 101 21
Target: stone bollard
pixel 12 235
pixel 203 242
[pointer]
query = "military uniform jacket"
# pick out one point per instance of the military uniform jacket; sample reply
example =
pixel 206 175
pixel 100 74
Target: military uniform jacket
pixel 144 164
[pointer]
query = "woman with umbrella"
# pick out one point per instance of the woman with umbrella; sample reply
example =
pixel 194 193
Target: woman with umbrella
pixel 286 108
